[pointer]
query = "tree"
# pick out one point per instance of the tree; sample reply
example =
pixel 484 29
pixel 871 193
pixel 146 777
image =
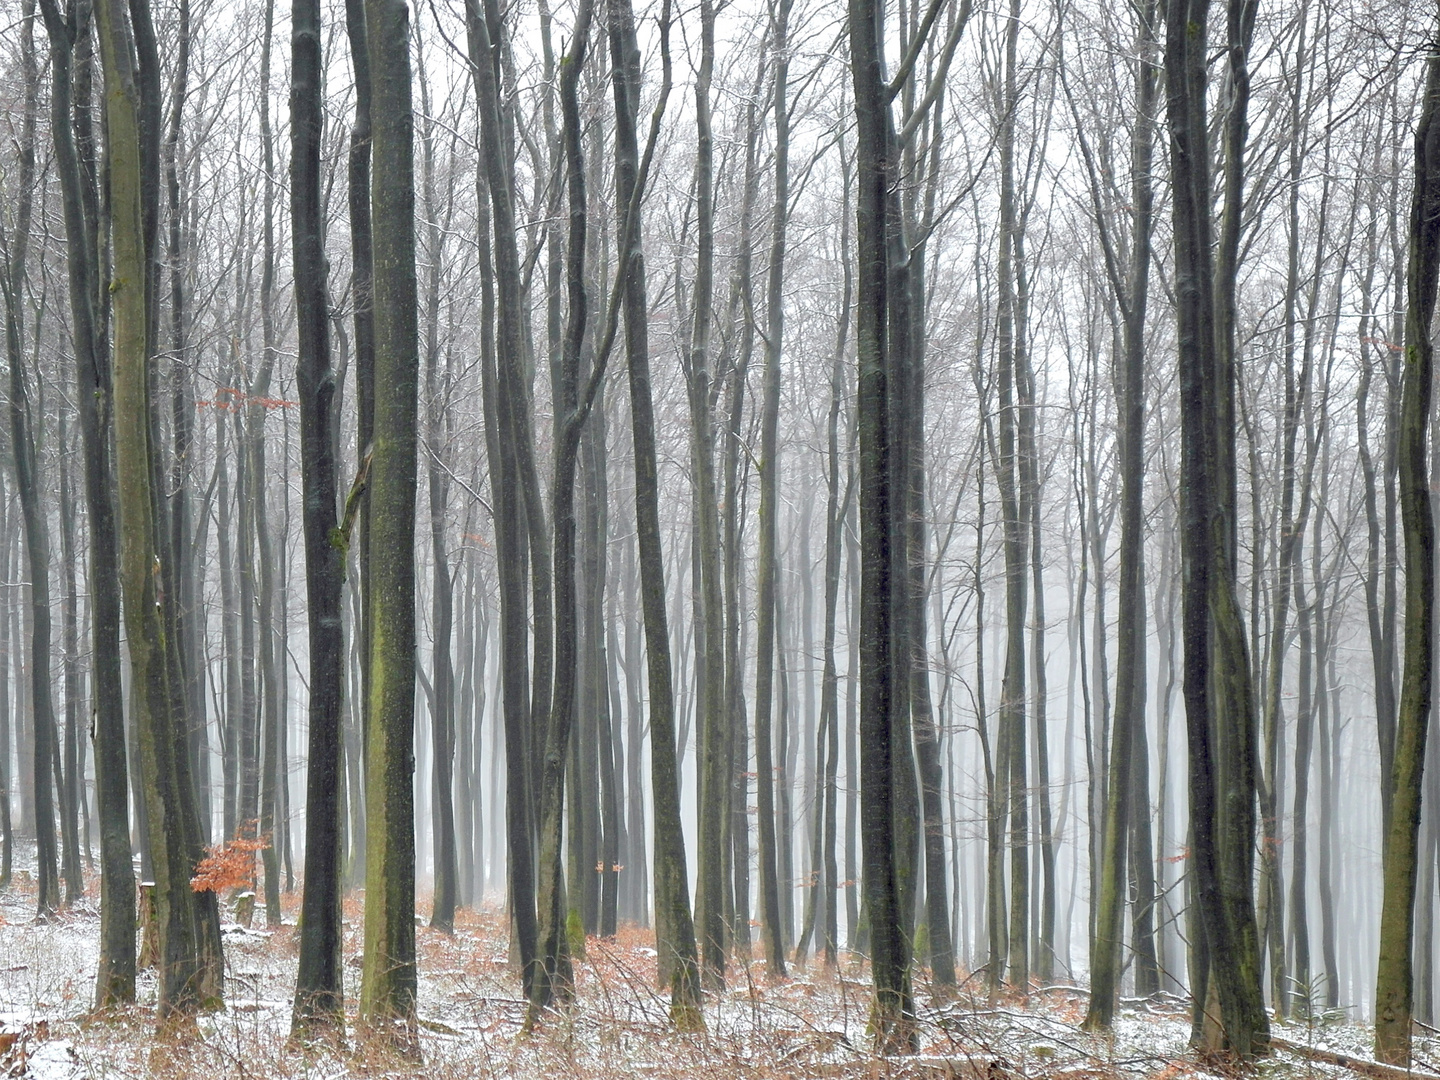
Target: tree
pixel 510 444
pixel 1394 990
pixel 679 963
pixel 553 974
pixel 770 910
pixel 388 982
pixel 892 1013
pixel 319 990
pixel 171 813
pixel 24 451
pixel 70 46
pixel 1123 796
pixel 715 718
pixel 1219 705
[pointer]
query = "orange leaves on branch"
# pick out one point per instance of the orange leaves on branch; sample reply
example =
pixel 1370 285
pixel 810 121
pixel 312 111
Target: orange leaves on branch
pixel 1382 343
pixel 232 400
pixel 230 865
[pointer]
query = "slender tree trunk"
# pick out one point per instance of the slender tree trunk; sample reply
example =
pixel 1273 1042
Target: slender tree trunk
pixel 24 453
pixel 553 975
pixel 509 440
pixel 771 923
pixel 1129 759
pixel 715 717
pixel 362 289
pixel 442 606
pixel 672 901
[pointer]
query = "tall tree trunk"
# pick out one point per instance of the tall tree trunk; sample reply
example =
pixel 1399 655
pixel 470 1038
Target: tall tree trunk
pixel 771 923
pixel 715 718
pixel 509 439
pixel 362 268
pixel 1015 522
pixel 70 45
pixel 24 454
pixel 1219 702
pixel 553 972
pixel 1129 755
pixel 736 474
pixel 881 784
pixel 388 981
pixel 163 760
pixel 679 960
pixel 437 388
pixel 1394 990
pixel 319 988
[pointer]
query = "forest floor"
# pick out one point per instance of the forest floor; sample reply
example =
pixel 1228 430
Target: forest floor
pixel 811 1024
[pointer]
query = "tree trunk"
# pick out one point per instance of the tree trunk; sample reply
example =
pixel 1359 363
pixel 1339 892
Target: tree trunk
pixel 892 1015
pixel 1394 990
pixel 442 606
pixel 1218 696
pixel 715 718
pixel 164 763
pixel 319 989
pixel 1129 758
pixel 508 439
pixel 24 453
pixel 70 42
pixel 553 972
pixel 771 923
pixel 388 981
pixel 672 901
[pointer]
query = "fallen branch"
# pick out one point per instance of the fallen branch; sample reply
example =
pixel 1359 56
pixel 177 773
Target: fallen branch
pixel 1360 1065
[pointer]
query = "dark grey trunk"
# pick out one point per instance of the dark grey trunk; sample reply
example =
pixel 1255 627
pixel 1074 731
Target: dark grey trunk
pixel 71 59
pixel 319 988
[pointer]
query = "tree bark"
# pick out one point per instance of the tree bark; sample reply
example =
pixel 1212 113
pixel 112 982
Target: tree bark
pixel 892 1014
pixel 672 901
pixel 388 981
pixel 319 990
pixel 1394 991
pixel 1218 695
pixel 164 763
pixel 69 48
pixel 24 455
pixel 1128 736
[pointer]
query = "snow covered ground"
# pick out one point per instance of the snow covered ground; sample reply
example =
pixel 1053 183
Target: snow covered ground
pixel 812 1024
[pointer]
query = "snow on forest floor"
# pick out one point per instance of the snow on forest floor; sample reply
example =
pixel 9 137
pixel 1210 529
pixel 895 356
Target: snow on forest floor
pixel 812 1024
